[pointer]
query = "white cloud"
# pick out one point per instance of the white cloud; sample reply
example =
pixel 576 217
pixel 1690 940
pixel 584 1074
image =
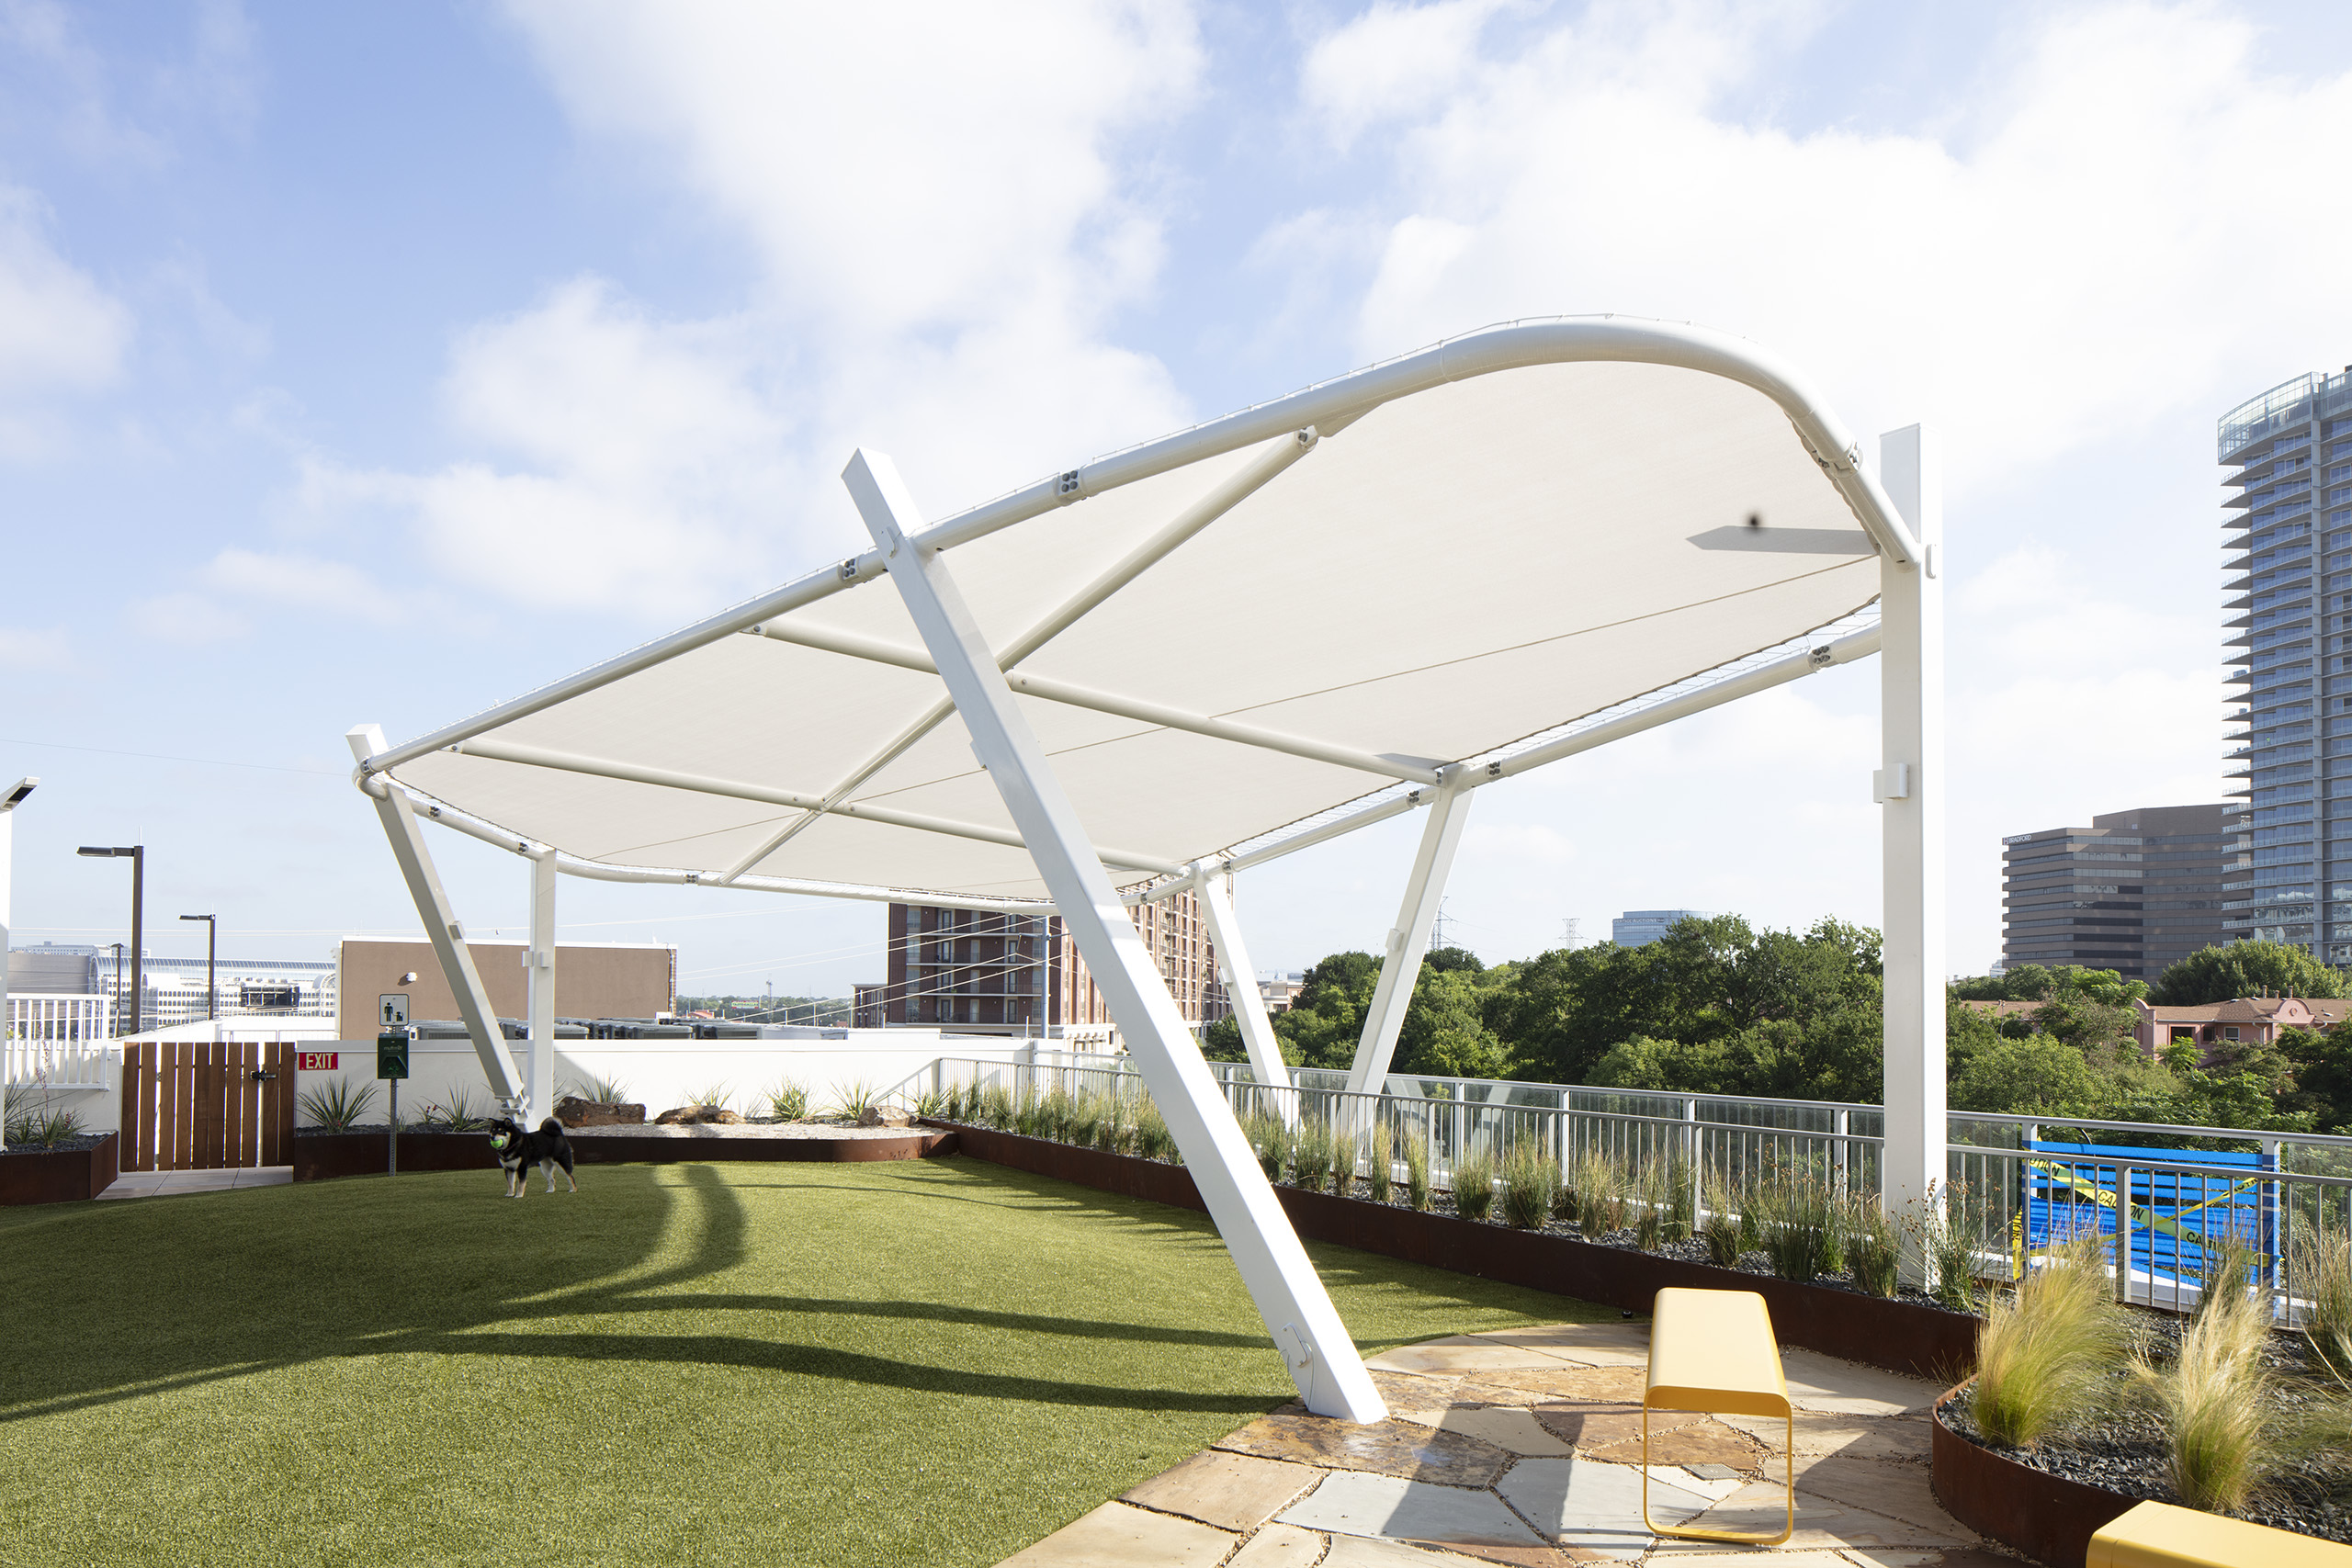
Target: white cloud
pixel 23 648
pixel 58 329
pixel 940 232
pixel 1392 63
pixel 2054 278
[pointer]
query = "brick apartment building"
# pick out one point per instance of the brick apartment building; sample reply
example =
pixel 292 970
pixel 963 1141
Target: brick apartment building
pixel 977 972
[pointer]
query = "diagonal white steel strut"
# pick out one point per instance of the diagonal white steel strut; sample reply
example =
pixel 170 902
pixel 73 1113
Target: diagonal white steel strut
pixel 441 926
pixel 1297 1310
pixel 1241 985
pixel 1400 968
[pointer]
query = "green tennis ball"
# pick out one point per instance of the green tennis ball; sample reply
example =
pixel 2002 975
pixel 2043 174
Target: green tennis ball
pixel 498 1139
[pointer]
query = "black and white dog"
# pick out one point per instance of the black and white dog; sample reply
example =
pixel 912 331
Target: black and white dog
pixel 518 1151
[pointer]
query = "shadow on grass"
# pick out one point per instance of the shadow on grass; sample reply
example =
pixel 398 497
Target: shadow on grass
pixel 128 1305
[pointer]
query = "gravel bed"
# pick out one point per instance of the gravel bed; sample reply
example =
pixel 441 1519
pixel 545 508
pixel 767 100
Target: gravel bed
pixel 62 1146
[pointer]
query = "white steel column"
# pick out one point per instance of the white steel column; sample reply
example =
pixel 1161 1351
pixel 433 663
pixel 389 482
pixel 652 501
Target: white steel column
pixel 441 927
pixel 1297 1310
pixel 1409 942
pixel 22 788
pixel 538 991
pixel 1241 984
pixel 1910 790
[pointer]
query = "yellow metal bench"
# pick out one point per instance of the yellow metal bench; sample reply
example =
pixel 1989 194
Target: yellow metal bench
pixel 1713 1350
pixel 2157 1535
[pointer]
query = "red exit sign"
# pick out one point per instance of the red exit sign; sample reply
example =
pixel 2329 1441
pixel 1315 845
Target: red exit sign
pixel 315 1061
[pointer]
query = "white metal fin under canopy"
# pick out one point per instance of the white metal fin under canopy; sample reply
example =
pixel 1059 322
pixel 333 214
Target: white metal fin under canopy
pixel 1433 559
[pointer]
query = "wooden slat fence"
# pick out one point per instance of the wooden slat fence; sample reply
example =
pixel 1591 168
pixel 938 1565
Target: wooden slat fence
pixel 206 1105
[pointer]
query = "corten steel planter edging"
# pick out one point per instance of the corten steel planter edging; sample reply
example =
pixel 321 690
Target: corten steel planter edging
pixel 319 1156
pixel 2048 1518
pixel 60 1176
pixel 1902 1336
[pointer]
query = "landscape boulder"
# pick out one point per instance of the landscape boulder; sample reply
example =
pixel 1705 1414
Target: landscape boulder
pixel 574 1111
pixel 875 1116
pixel 681 1115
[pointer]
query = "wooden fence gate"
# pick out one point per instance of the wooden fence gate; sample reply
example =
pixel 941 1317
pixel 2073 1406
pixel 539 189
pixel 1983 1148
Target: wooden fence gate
pixel 206 1105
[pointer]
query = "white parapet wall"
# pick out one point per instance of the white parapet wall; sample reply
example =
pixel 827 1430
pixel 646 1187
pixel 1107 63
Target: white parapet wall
pixel 831 1064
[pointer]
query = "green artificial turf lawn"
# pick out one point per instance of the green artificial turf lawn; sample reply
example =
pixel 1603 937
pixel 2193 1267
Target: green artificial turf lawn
pixel 932 1363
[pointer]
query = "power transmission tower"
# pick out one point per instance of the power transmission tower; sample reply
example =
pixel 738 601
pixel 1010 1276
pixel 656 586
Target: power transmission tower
pixel 1568 931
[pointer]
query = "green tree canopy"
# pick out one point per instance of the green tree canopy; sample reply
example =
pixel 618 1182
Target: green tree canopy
pixel 2244 969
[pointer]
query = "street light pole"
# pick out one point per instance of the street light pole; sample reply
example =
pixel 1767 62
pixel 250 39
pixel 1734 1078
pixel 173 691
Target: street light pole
pixel 211 951
pixel 137 855
pixel 15 796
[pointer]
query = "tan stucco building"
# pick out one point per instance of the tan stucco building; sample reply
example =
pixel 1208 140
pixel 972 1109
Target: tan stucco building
pixel 612 980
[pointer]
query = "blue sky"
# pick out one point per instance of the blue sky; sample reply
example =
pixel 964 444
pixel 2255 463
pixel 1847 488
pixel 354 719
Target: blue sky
pixel 379 362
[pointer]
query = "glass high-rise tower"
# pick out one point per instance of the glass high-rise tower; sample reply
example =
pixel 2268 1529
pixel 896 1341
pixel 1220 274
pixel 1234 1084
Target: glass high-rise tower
pixel 2288 537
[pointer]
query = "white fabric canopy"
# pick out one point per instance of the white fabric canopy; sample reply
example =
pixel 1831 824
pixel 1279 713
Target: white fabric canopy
pixel 1471 561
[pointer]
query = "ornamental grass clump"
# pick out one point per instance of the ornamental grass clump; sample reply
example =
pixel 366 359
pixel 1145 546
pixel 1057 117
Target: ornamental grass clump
pixel 2047 1351
pixel 1530 1182
pixel 1153 1140
pixel 2216 1394
pixel 1270 1140
pixel 1419 1194
pixel 1310 1158
pixel 2324 1279
pixel 1596 1198
pixel 1382 1153
pixel 1343 1163
pixel 1951 1236
pixel 1873 1246
pixel 1799 1223
pixel 1719 1227
pixel 1649 1207
pixel 47 1128
pixel 1473 1183
pixel 337 1104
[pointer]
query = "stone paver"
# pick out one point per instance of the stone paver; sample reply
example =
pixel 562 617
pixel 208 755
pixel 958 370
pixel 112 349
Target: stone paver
pixel 1118 1536
pixel 1822 1524
pixel 1820 1382
pixel 1460 1354
pixel 1521 1448
pixel 1511 1429
pixel 1385 1448
pixel 1603 1385
pixel 1821 1435
pixel 173 1183
pixel 1592 1427
pixel 1701 1441
pixel 1231 1491
pixel 1903 1491
pixel 1365 1552
pixel 1457 1517
pixel 1594 1508
pixel 1281 1546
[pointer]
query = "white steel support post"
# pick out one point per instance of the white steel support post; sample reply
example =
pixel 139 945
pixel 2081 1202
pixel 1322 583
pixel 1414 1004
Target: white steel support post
pixel 441 926
pixel 1241 985
pixel 1297 1310
pixel 1910 790
pixel 538 991
pixel 1409 942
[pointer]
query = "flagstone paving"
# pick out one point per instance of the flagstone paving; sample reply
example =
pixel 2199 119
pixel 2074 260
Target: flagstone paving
pixel 1523 1447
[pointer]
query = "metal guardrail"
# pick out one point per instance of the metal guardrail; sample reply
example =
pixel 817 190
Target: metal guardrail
pixel 2299 1195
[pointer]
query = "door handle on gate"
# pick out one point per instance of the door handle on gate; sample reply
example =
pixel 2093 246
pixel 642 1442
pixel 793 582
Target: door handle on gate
pixel 262 1074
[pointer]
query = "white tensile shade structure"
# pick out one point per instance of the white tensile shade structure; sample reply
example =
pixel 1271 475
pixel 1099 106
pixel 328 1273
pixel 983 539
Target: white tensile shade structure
pixel 1372 596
